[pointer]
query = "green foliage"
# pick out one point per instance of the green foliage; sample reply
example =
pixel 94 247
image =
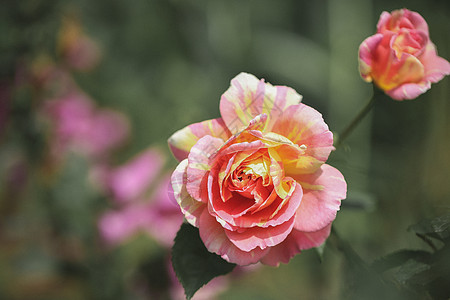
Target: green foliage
pixel 192 262
pixel 420 271
pixel 438 228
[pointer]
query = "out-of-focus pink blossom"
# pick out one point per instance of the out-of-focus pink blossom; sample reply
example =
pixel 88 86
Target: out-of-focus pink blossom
pixel 79 125
pixel 79 51
pixel 157 216
pixel 130 181
pixel 140 211
pixel 166 215
pixel 117 226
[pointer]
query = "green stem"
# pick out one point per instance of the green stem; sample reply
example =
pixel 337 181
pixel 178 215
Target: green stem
pixel 346 132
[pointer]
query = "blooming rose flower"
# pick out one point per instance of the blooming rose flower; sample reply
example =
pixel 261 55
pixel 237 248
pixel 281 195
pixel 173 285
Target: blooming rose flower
pixel 254 181
pixel 400 58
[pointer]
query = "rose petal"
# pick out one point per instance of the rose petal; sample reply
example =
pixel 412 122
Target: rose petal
pixel 278 212
pixel 366 51
pixel 181 142
pixel 248 97
pixel 305 127
pixel 216 241
pixel 198 166
pixel 435 67
pixel 190 207
pixel 322 195
pixel 409 91
pixel 402 18
pixel 254 237
pixel 293 244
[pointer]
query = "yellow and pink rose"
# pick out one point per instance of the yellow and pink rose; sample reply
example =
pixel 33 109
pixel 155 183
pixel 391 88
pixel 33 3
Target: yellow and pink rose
pixel 255 181
pixel 400 58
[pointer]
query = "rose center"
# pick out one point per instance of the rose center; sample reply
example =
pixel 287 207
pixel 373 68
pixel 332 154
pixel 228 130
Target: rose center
pixel 250 171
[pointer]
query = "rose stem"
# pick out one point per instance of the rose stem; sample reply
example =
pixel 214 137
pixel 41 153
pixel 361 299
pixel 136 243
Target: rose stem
pixel 346 132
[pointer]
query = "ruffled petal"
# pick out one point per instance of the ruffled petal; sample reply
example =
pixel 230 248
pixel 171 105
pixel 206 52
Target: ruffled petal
pixel 190 207
pixel 305 127
pixel 198 166
pixel 366 52
pixel 248 97
pixel 293 244
pixel 216 241
pixel 409 91
pixel 181 142
pixel 435 67
pixel 401 18
pixel 322 195
pixel 254 237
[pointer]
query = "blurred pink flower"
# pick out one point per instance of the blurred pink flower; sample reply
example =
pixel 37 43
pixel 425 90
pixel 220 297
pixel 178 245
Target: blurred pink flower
pixel 166 215
pixel 400 58
pixel 157 216
pixel 129 184
pixel 130 181
pixel 79 125
pixel 117 226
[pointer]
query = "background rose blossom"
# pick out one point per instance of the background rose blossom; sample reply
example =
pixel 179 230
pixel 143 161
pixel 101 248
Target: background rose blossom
pixel 254 181
pixel 400 58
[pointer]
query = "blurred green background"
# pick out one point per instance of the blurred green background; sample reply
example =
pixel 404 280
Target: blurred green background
pixel 165 64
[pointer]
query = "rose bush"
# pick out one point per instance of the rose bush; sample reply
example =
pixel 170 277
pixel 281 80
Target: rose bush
pixel 400 58
pixel 254 181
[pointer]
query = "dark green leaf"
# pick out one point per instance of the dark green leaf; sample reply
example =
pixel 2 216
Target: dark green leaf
pixel 438 227
pixel 398 258
pixel 410 269
pixel 193 264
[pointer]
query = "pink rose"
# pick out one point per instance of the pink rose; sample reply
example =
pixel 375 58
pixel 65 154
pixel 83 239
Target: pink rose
pixel 400 58
pixel 254 181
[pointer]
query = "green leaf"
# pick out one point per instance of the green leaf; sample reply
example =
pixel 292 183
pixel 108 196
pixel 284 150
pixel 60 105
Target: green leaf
pixel 438 227
pixel 411 269
pixel 194 265
pixel 398 258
